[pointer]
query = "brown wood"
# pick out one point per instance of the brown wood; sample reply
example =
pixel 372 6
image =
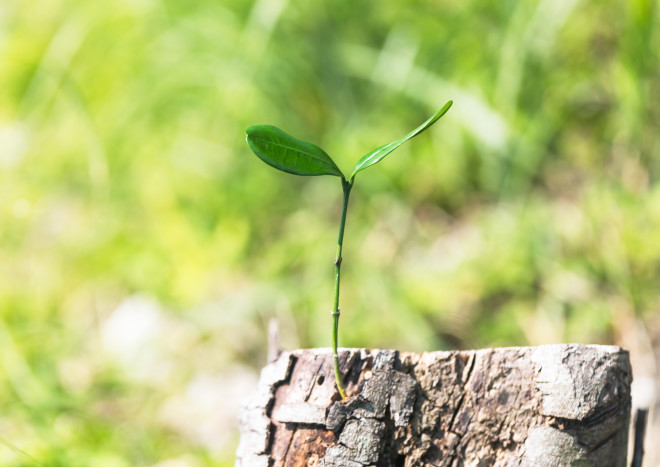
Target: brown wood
pixel 536 406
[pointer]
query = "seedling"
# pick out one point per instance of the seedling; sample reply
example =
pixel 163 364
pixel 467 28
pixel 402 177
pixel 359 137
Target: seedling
pixel 288 154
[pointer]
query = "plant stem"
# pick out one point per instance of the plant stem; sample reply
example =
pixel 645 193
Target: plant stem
pixel 335 312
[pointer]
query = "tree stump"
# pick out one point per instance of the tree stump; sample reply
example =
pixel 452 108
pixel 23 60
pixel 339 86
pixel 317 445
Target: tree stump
pixel 556 405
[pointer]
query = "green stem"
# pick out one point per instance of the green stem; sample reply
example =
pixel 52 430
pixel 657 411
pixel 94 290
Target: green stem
pixel 335 312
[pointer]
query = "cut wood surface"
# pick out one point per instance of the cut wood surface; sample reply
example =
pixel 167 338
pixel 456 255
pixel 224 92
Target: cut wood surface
pixel 556 405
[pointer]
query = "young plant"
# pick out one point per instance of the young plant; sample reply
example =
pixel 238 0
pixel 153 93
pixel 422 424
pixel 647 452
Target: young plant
pixel 288 154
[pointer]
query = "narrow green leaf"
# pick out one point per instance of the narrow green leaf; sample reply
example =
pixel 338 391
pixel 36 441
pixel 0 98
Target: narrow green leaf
pixel 379 153
pixel 284 152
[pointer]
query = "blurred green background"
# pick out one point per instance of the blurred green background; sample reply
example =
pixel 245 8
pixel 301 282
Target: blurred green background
pixel 143 248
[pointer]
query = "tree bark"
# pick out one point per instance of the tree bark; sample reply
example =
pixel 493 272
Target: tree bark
pixel 556 405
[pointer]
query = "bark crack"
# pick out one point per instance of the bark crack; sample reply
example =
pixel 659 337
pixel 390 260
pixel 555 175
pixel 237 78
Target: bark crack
pixel 458 408
pixel 465 388
pixel 288 446
pixel 314 380
pixel 602 443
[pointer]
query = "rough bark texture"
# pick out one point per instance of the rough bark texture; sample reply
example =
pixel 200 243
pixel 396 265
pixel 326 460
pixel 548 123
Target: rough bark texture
pixel 558 405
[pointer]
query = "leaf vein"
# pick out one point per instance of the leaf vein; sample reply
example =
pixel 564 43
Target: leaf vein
pixel 314 156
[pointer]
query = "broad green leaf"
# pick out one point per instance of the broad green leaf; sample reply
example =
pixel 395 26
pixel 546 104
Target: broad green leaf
pixel 289 154
pixel 379 153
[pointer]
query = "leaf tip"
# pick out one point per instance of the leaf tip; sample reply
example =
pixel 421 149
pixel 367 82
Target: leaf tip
pixel 446 107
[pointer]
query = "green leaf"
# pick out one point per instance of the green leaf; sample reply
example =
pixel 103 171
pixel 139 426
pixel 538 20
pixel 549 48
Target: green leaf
pixel 379 153
pixel 289 154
